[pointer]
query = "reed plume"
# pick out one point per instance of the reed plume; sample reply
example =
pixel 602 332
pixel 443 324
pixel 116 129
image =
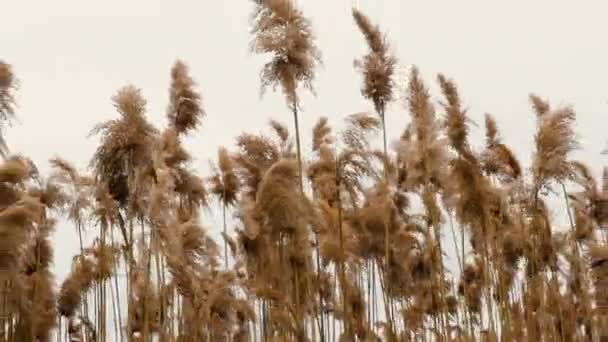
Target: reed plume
pixel 554 141
pixel 377 66
pixel 497 158
pixel 280 29
pixel 185 110
pixel 225 186
pixel 8 84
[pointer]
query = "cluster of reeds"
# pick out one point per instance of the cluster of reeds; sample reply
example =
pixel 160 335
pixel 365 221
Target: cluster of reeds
pixel 428 238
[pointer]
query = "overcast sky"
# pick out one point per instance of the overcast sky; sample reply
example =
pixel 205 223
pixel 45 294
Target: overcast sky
pixel 72 55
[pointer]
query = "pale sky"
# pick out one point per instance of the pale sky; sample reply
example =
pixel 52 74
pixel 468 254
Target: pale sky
pixel 72 55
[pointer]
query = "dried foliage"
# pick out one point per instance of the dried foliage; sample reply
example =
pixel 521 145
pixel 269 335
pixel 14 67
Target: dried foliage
pixel 124 146
pixel 281 30
pixel 554 141
pixel 358 250
pixel 224 182
pixel 185 110
pixel 378 66
pixel 8 84
pixel 497 158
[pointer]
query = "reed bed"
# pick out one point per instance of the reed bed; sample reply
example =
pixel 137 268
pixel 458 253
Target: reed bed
pixel 424 236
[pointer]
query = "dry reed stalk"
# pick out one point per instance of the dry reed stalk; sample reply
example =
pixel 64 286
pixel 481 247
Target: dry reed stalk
pixel 280 29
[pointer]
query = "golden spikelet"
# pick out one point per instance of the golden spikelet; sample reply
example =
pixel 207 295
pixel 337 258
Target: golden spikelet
pixel 191 188
pixel 65 168
pixel 257 150
pixel 457 129
pixel 422 157
pixel 50 194
pixel 497 158
pixel 377 66
pixel 172 150
pixel 540 106
pixel 185 110
pixel 280 130
pixel 125 144
pixel 80 279
pixel 256 154
pixel 321 134
pixel 224 182
pixel 360 127
pixel 7 88
pixel 105 257
pixel 500 160
pixel 554 141
pixel 69 297
pixel 281 30
pixel 322 174
pixel 419 104
pixel 492 135
pixel 278 200
pixel 196 245
pixel 584 177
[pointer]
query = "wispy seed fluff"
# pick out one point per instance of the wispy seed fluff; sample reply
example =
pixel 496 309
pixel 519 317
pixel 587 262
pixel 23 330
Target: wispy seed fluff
pixel 377 66
pixel 185 109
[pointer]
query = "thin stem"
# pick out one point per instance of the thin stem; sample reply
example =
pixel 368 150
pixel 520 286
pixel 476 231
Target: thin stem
pixel 381 112
pixel 300 175
pixel 320 304
pixel 460 260
pixel 117 267
pixel 114 309
pixel 298 144
pixel 384 138
pixel 225 233
pixel 151 238
pixel 341 263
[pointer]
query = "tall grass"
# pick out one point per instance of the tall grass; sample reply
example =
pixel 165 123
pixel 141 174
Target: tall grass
pixel 344 241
